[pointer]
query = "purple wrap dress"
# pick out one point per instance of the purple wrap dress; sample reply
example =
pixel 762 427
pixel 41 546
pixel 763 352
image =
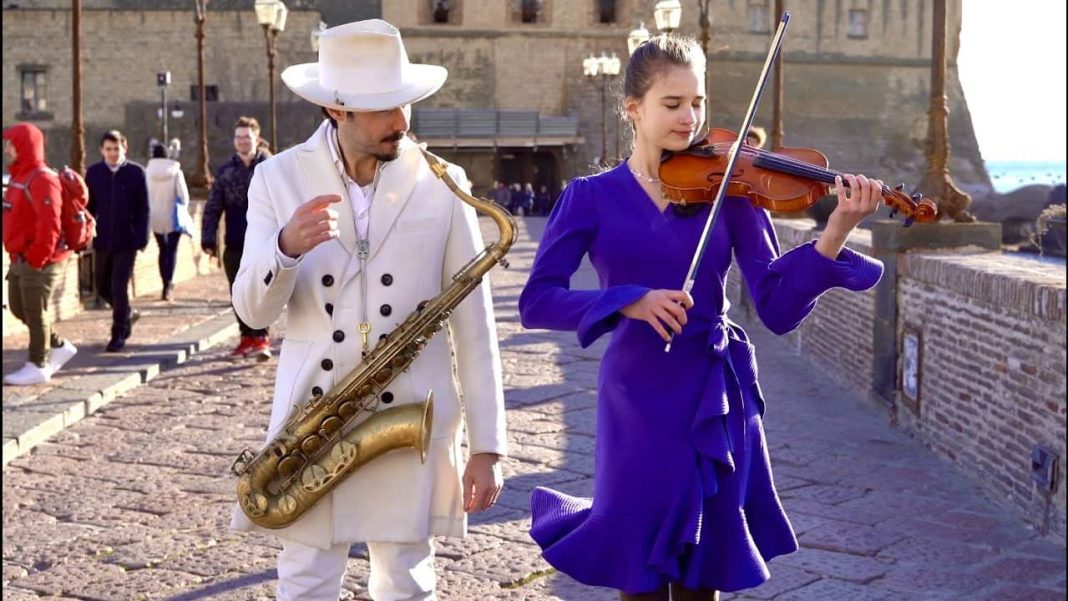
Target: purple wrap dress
pixel 683 486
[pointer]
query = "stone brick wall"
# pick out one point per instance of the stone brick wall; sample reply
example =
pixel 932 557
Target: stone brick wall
pixel 993 370
pixel 992 381
pixel 67 301
pixel 121 52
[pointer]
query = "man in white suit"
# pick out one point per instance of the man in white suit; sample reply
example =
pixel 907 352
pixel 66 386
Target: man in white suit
pixel 348 232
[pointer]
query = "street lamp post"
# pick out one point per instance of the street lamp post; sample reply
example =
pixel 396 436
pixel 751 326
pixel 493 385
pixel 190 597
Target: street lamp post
pixel 77 126
pixel 776 99
pixel 705 22
pixel 610 66
pixel 704 19
pixel 937 183
pixel 201 177
pixel 602 67
pixel 637 37
pixel 163 80
pixel 668 14
pixel 271 15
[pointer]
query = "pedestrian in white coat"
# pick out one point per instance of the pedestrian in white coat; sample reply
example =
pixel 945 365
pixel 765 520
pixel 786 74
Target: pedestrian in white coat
pixel 168 201
pixel 351 229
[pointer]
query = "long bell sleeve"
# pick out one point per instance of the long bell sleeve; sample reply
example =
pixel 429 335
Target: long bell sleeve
pixel 547 300
pixel 786 287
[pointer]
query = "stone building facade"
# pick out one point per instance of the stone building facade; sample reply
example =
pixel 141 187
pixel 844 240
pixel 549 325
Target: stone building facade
pixel 856 78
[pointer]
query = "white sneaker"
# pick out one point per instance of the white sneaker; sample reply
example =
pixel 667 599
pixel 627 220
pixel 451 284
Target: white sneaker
pixel 29 374
pixel 60 355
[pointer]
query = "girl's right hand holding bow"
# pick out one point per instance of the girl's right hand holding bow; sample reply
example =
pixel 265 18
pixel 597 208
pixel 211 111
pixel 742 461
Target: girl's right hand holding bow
pixel 660 308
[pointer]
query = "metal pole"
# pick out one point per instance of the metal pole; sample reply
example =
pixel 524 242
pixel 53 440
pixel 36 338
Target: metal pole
pixel 705 22
pixel 163 93
pixel 777 129
pixel 619 151
pixel 702 20
pixel 201 177
pixel 604 120
pixel 937 182
pixel 271 35
pixel 77 126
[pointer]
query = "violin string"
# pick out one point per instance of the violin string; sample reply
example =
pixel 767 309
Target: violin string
pixel 803 169
pixel 800 168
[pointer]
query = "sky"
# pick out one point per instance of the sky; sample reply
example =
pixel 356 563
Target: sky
pixel 1011 65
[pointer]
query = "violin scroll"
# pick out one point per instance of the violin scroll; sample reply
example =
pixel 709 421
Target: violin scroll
pixel 915 208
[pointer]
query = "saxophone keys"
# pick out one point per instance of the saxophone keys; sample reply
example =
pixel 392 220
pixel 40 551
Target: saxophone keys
pixel 311 444
pixel 254 504
pixel 287 504
pixel 315 478
pixel 345 454
pixel 289 466
pixel 348 409
pixel 330 425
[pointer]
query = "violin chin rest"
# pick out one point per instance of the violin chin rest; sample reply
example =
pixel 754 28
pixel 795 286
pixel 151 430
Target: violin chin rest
pixel 688 209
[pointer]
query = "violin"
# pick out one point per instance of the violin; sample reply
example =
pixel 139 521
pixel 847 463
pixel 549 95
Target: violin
pixel 787 180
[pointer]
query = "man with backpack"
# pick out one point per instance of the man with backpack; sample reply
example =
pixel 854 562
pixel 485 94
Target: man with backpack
pixel 118 199
pixel 33 237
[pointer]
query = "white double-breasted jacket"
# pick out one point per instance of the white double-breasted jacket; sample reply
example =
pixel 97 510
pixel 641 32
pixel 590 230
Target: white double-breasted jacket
pixel 420 235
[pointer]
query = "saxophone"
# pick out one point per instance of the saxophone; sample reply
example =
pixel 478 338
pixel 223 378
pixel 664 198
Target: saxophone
pixel 316 449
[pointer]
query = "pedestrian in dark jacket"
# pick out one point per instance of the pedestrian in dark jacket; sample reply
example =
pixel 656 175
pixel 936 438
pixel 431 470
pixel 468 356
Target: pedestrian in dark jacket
pixel 229 196
pixel 502 196
pixel 542 201
pixel 118 198
pixel 32 237
pixel 515 200
pixel 526 199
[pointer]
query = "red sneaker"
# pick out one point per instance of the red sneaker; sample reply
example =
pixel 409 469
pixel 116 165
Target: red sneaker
pixel 243 348
pixel 260 348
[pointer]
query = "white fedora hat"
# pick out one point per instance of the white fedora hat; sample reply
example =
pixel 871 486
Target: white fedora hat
pixel 363 67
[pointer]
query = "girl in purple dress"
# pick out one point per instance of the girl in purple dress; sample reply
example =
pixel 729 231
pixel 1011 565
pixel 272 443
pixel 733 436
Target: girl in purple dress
pixel 683 496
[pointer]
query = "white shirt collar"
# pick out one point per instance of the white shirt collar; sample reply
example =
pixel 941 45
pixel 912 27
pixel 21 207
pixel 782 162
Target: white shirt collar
pixel 335 155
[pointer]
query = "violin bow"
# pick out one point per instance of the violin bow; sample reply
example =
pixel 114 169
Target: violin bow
pixel 732 157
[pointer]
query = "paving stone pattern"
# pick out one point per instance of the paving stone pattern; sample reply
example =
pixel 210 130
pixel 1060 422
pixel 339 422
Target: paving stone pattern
pixel 133 502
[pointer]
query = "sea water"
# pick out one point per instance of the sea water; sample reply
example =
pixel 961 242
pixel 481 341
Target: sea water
pixel 1007 176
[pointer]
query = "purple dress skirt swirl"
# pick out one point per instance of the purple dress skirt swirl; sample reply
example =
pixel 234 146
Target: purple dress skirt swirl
pixel 683 486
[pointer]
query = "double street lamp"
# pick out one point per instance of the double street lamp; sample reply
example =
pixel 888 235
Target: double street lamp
pixel 271 15
pixel 603 67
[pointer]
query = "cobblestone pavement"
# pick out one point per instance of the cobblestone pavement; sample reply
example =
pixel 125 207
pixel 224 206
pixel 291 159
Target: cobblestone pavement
pixel 194 301
pixel 165 334
pixel 133 502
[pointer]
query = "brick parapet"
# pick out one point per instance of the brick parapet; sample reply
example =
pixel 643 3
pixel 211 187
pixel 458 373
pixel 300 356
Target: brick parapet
pixel 992 360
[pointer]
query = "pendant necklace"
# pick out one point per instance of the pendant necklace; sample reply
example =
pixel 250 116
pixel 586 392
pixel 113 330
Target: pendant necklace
pixel 642 176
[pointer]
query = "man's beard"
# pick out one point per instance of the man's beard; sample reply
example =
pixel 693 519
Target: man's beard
pixel 385 157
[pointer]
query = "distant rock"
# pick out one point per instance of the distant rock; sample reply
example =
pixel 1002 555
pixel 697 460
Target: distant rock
pixel 1016 210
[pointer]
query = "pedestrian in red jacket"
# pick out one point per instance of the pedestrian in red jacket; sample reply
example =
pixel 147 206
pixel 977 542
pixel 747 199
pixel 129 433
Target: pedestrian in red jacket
pixel 32 237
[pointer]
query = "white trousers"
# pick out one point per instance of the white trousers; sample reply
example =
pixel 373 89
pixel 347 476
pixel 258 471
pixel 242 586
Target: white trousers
pixel 399 572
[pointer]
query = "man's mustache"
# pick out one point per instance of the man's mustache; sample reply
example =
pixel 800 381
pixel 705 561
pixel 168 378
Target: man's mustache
pixel 394 138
